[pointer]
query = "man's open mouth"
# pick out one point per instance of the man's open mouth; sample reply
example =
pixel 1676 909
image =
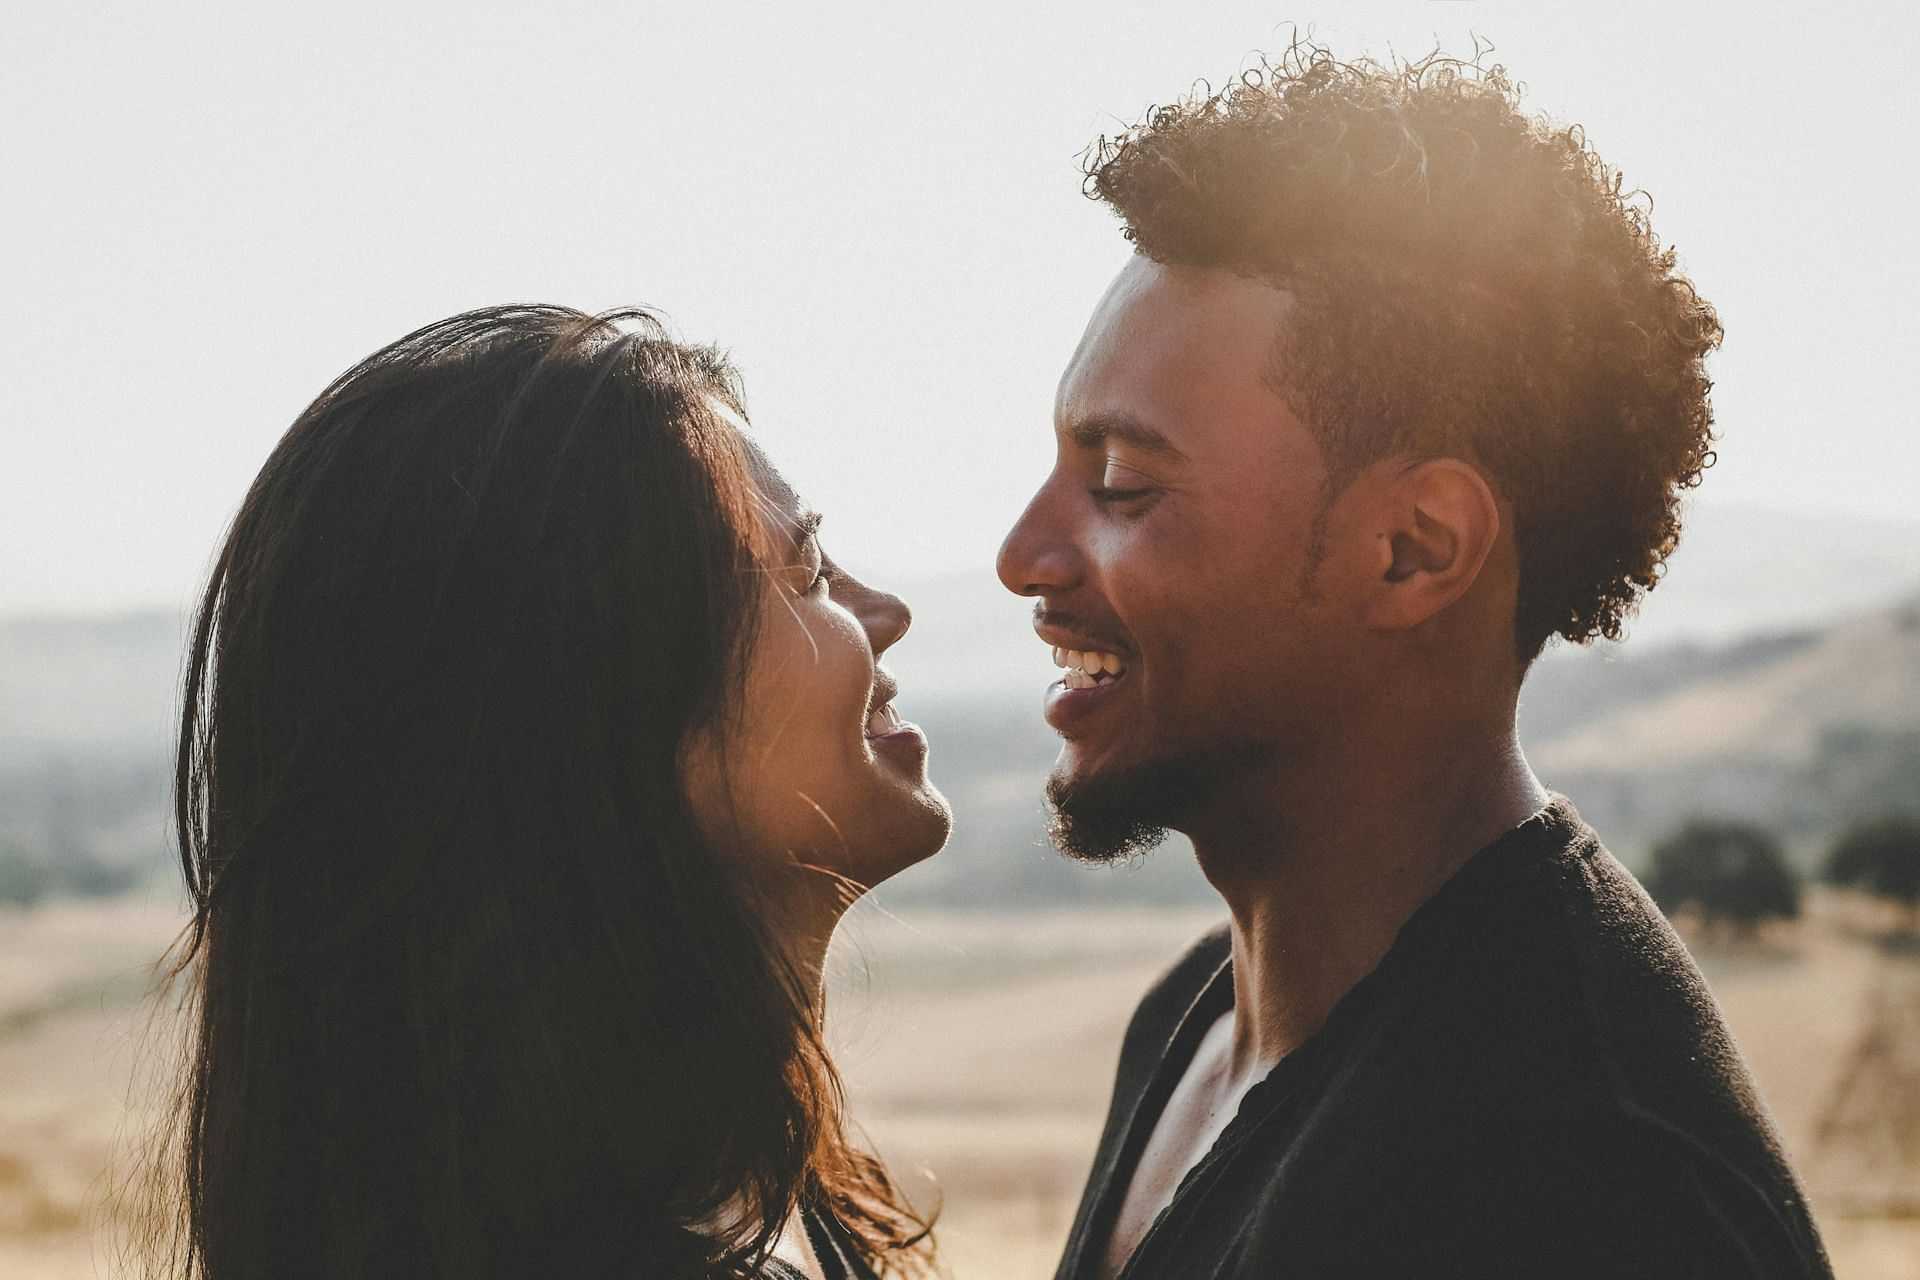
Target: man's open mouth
pixel 1088 668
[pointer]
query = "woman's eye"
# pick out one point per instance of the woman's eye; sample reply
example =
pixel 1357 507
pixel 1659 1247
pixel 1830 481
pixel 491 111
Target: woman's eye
pixel 816 560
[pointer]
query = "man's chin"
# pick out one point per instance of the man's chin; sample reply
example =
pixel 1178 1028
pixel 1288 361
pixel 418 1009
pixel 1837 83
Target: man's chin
pixel 1112 815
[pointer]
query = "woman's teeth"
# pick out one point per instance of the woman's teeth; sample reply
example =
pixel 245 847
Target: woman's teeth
pixel 883 720
pixel 1088 667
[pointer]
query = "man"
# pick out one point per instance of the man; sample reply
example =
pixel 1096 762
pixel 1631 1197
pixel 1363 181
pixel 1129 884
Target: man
pixel 1397 387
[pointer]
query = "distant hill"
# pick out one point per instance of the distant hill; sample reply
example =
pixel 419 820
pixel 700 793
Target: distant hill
pixel 1803 731
pixel 1774 698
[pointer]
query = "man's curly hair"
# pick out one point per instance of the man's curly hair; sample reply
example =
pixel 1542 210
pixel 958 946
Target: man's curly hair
pixel 1471 281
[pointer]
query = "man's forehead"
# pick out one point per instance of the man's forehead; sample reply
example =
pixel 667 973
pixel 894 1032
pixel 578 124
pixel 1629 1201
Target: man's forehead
pixel 1169 345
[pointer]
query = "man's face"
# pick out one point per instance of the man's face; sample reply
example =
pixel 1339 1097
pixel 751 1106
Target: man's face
pixel 1177 534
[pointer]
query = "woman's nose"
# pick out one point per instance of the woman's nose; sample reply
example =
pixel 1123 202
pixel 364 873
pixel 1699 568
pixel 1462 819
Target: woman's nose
pixel 889 621
pixel 884 616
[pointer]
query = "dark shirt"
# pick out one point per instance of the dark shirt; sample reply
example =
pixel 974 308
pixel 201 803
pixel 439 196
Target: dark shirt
pixel 1533 1082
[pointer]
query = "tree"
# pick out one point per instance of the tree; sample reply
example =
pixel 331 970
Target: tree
pixel 23 878
pixel 85 876
pixel 1731 872
pixel 1882 857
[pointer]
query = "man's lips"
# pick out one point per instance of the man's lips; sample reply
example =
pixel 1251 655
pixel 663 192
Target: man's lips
pixel 1068 706
pixel 1097 668
pixel 1098 665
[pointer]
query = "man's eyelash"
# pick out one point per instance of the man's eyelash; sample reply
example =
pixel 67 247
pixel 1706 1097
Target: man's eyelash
pixel 1108 496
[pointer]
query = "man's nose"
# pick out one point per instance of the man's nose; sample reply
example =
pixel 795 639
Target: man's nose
pixel 1039 556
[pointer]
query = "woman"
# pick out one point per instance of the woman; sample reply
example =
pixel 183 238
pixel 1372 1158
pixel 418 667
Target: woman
pixel 531 749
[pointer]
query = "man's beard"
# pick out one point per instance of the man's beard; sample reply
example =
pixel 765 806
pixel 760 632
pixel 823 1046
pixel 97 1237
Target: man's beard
pixel 1127 813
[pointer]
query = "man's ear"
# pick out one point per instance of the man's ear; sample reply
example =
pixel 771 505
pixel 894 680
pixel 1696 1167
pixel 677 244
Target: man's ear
pixel 1437 523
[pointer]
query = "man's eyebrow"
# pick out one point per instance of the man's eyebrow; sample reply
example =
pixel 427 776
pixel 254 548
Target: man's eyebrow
pixel 1091 433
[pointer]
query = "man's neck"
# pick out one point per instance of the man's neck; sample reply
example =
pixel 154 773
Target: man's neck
pixel 1320 868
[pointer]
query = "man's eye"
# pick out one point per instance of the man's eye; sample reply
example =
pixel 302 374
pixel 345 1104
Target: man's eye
pixel 1108 497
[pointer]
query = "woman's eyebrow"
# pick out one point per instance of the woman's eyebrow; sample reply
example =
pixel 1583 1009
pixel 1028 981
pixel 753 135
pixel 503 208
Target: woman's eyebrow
pixel 805 525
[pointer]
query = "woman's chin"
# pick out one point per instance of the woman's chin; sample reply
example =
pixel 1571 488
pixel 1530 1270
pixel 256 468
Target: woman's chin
pixel 915 831
pixel 939 822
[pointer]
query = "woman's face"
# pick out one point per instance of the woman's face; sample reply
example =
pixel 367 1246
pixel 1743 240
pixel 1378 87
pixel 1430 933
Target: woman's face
pixel 817 769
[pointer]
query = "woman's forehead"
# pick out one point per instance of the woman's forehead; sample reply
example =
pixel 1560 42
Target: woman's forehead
pixel 781 504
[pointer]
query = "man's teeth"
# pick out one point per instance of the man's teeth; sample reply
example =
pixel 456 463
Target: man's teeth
pixel 1087 667
pixel 882 720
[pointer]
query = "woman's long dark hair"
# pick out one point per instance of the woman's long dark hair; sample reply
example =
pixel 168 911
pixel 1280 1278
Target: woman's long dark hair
pixel 469 995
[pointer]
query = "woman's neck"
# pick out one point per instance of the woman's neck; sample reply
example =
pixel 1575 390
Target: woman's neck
pixel 802 917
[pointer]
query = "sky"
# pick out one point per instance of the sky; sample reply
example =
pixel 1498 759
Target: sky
pixel 213 208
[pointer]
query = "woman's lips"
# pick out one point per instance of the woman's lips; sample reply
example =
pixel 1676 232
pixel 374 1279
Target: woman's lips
pixel 905 747
pixel 889 735
pixel 883 720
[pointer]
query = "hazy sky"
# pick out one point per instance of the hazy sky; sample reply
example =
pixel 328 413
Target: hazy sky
pixel 211 209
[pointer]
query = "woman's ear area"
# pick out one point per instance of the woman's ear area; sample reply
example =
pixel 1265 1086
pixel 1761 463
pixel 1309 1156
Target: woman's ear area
pixel 1434 524
pixel 704 782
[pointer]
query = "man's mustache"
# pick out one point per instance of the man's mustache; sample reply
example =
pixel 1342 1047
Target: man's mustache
pixel 1098 635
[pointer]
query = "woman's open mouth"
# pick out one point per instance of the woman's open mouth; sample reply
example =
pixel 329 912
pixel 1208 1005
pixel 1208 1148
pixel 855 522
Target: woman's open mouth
pixel 884 720
pixel 888 734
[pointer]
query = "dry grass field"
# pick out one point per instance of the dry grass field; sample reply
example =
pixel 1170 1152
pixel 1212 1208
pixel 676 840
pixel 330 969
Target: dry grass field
pixel 71 981
pixel 978 1049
